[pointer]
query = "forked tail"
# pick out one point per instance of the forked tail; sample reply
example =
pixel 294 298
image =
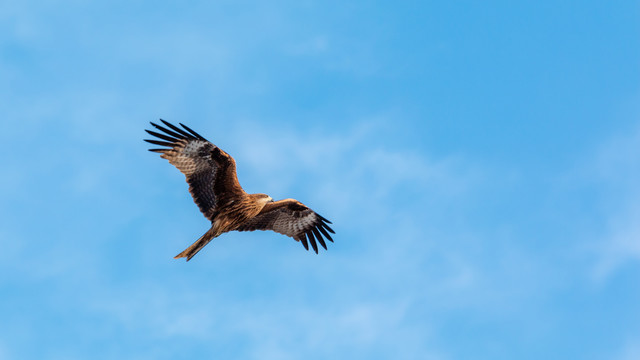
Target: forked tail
pixel 192 250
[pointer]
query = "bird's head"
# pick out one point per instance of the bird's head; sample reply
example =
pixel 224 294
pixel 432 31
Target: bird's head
pixel 263 198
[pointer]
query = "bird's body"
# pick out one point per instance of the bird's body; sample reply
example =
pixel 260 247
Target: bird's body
pixel 213 183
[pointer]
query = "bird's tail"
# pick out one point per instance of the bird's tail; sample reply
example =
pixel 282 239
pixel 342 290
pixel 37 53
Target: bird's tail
pixel 192 250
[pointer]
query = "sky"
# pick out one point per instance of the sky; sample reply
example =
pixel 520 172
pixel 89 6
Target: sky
pixel 479 162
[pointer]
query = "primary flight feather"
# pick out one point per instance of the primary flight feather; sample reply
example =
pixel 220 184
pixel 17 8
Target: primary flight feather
pixel 214 186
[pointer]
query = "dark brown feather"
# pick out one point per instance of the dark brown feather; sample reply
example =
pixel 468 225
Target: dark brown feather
pixel 183 134
pixel 162 136
pixel 161 143
pixel 191 131
pixel 303 239
pixel 317 235
pixel 167 131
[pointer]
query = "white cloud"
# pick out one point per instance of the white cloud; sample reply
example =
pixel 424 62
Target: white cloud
pixel 276 328
pixel 4 352
pixel 629 351
pixel 622 244
pixel 617 169
pixel 350 169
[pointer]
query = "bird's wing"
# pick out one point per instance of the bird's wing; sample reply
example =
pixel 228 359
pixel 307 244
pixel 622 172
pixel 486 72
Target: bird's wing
pixel 210 172
pixel 292 218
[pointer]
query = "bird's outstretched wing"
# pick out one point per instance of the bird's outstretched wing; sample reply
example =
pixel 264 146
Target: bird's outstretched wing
pixel 292 218
pixel 210 172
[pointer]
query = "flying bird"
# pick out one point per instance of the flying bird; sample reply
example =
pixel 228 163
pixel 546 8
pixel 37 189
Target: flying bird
pixel 213 184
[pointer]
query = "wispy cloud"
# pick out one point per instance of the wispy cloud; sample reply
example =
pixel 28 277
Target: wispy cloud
pixel 617 169
pixel 630 351
pixel 622 244
pixel 275 328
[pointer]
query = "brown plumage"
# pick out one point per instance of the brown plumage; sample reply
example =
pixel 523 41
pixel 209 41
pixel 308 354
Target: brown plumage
pixel 214 186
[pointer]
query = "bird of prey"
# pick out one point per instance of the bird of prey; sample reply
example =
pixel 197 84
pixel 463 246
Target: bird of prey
pixel 213 184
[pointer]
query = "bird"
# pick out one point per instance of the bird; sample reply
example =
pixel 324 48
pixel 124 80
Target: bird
pixel 214 186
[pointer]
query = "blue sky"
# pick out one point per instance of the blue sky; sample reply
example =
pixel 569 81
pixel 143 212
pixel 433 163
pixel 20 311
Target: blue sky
pixel 479 161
